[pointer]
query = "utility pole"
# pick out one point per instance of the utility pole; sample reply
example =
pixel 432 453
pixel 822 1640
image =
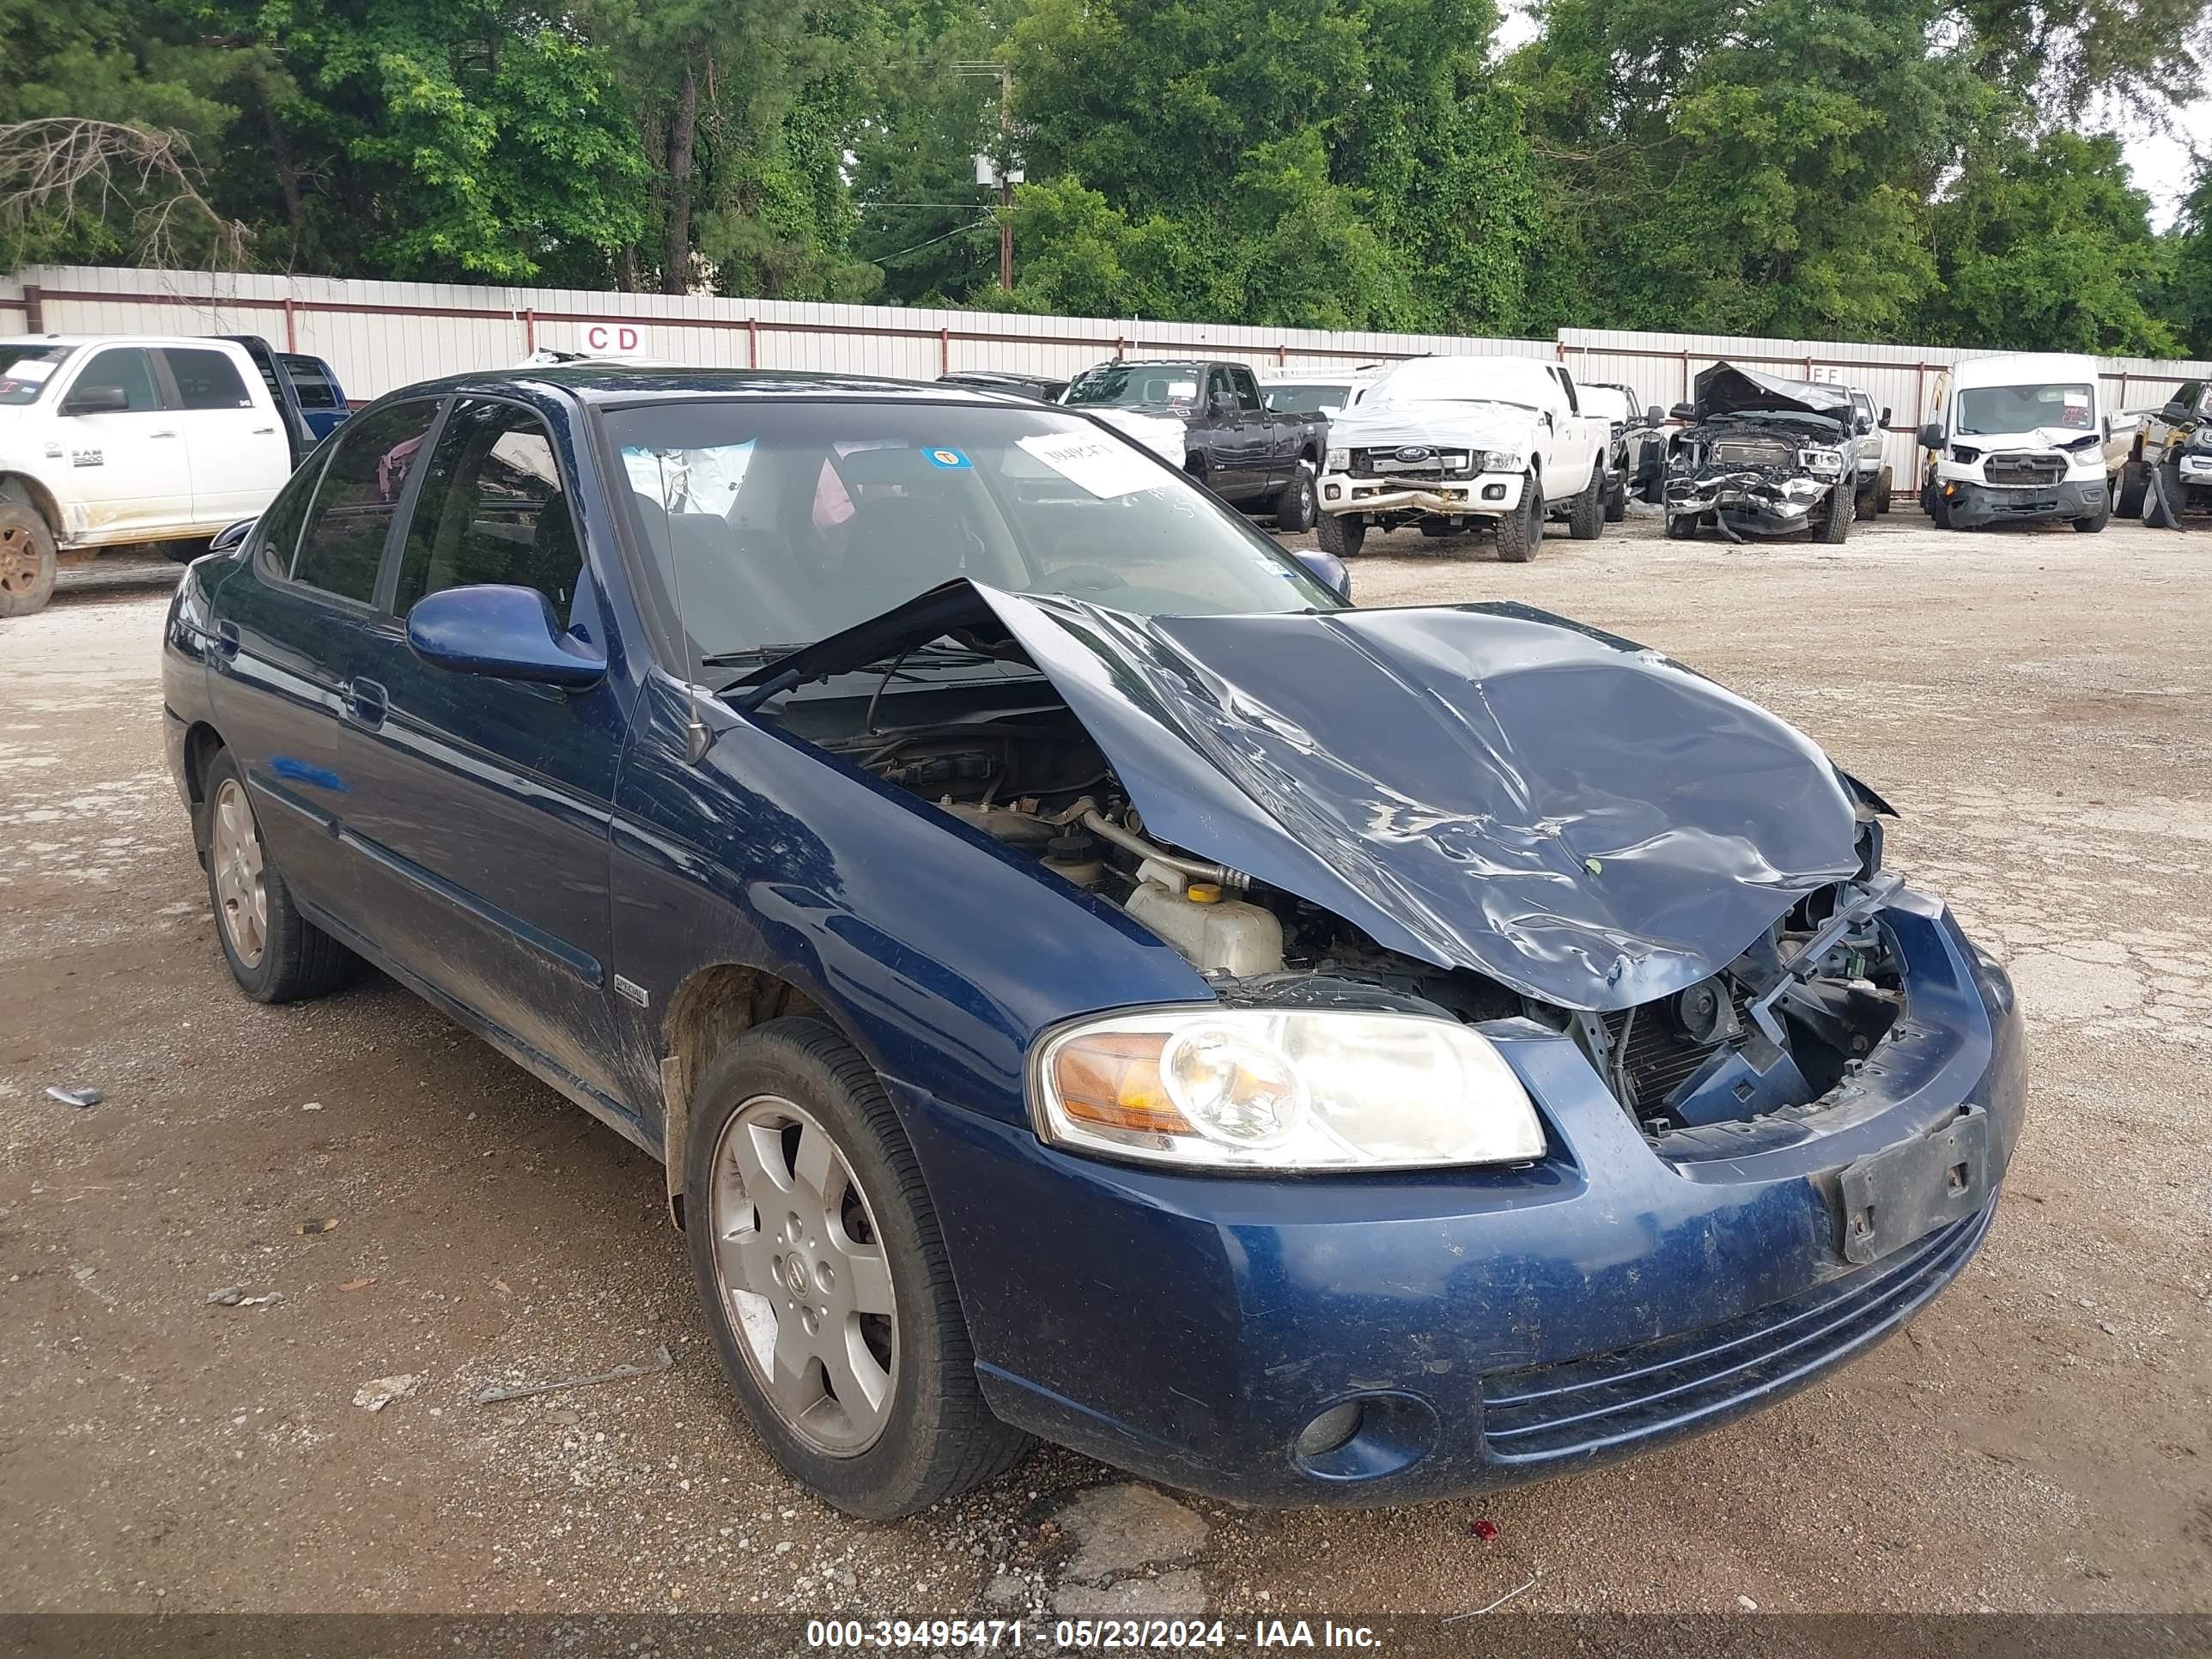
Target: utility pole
pixel 999 169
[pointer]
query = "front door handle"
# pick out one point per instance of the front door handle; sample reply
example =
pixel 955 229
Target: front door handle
pixel 367 702
pixel 166 431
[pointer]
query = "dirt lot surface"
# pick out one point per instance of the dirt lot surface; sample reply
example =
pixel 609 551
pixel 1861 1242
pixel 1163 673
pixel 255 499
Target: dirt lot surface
pixel 2034 703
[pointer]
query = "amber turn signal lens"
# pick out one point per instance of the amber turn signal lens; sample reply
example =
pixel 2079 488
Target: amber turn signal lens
pixel 1113 1079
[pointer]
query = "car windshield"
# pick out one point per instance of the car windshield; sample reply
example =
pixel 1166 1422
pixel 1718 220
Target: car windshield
pixel 1314 398
pixel 1137 385
pixel 25 370
pixel 776 523
pixel 2024 408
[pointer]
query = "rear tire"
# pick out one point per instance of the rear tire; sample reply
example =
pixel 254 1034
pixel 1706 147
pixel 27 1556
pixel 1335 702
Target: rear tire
pixel 1938 509
pixel 1586 517
pixel 1341 535
pixel 1520 530
pixel 28 559
pixel 1296 507
pixel 1881 492
pixel 275 953
pixel 928 1435
pixel 1616 501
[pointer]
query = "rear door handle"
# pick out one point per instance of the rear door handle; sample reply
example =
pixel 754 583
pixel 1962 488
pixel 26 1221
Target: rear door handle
pixel 226 638
pixel 367 702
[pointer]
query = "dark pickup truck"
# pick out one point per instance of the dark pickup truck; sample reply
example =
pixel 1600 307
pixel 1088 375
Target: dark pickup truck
pixel 1259 461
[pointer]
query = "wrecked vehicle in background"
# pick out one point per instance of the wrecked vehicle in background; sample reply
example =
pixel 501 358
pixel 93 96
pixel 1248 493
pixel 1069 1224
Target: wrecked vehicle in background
pixel 1083 981
pixel 2022 438
pixel 1760 455
pixel 1458 443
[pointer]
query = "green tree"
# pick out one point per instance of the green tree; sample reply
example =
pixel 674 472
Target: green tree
pixel 2043 244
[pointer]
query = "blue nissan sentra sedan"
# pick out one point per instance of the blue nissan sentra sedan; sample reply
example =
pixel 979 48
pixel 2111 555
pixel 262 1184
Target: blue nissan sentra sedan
pixel 1083 978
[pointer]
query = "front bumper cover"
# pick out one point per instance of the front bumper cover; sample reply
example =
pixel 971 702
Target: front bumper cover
pixel 1340 492
pixel 1497 1325
pixel 1974 504
pixel 1765 502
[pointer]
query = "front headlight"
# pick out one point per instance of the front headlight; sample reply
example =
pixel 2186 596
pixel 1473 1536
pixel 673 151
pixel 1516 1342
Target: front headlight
pixel 1821 462
pixel 1497 460
pixel 1282 1089
pixel 1339 460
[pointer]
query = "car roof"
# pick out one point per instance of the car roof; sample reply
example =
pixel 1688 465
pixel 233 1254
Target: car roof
pixel 215 340
pixel 611 384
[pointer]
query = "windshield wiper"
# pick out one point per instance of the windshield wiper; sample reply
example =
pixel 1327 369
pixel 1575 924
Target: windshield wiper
pixel 751 655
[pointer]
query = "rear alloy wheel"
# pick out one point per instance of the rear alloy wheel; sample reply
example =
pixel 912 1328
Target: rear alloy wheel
pixel 27 559
pixel 1297 507
pixel 1519 530
pixel 824 1274
pixel 1586 516
pixel 275 954
pixel 1340 534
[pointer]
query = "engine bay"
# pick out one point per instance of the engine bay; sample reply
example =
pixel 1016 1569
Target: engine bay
pixel 995 747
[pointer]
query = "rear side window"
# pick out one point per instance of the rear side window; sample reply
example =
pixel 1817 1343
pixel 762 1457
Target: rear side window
pixel 492 508
pixel 313 382
pixel 206 379
pixel 128 367
pixel 343 541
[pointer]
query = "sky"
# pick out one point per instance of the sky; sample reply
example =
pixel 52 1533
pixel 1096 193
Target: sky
pixel 2160 162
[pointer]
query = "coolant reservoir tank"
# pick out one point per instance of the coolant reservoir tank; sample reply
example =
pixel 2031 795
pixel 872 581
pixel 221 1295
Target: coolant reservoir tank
pixel 1219 935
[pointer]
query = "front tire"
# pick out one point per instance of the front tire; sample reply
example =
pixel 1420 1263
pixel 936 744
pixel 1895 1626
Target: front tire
pixel 275 953
pixel 2128 493
pixel 1586 517
pixel 1938 509
pixel 1836 524
pixel 1298 507
pixel 1519 531
pixel 824 1274
pixel 1616 500
pixel 28 559
pixel 1340 534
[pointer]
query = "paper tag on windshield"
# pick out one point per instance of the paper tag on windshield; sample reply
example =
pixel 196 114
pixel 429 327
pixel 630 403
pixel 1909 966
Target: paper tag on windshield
pixel 1099 463
pixel 30 369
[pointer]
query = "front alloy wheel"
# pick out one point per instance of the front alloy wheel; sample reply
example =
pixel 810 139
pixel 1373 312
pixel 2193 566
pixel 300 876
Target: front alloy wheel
pixel 799 1262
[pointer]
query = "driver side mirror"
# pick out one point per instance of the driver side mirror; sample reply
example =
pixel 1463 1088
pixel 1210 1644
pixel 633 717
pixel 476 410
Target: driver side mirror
pixel 1223 402
pixel 232 536
pixel 507 633
pixel 1884 419
pixel 1654 416
pixel 1326 568
pixel 1931 435
pixel 2175 410
pixel 98 400
pixel 1683 412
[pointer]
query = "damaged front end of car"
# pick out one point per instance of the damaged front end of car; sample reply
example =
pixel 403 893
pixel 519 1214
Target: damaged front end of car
pixel 1763 456
pixel 1770 1092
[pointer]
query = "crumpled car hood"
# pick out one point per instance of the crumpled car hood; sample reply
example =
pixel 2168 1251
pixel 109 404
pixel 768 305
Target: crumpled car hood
pixel 1485 786
pixel 1724 389
pixel 1476 426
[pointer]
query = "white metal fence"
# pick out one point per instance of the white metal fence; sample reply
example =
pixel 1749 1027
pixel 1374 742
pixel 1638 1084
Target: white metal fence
pixel 380 335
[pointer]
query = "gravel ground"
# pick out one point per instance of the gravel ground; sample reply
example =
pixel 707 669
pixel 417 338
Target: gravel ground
pixel 2038 1439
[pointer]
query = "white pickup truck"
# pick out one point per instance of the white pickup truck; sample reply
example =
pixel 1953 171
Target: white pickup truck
pixel 112 439
pixel 1453 444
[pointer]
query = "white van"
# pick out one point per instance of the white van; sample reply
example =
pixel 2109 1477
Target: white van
pixel 2019 437
pixel 111 438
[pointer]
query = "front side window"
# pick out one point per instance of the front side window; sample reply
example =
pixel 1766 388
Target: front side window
pixel 343 544
pixel 128 368
pixel 1985 409
pixel 206 379
pixel 25 370
pixel 1248 391
pixel 774 524
pixel 492 508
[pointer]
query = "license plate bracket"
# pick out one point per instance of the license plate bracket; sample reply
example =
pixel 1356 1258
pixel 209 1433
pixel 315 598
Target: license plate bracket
pixel 1889 1197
